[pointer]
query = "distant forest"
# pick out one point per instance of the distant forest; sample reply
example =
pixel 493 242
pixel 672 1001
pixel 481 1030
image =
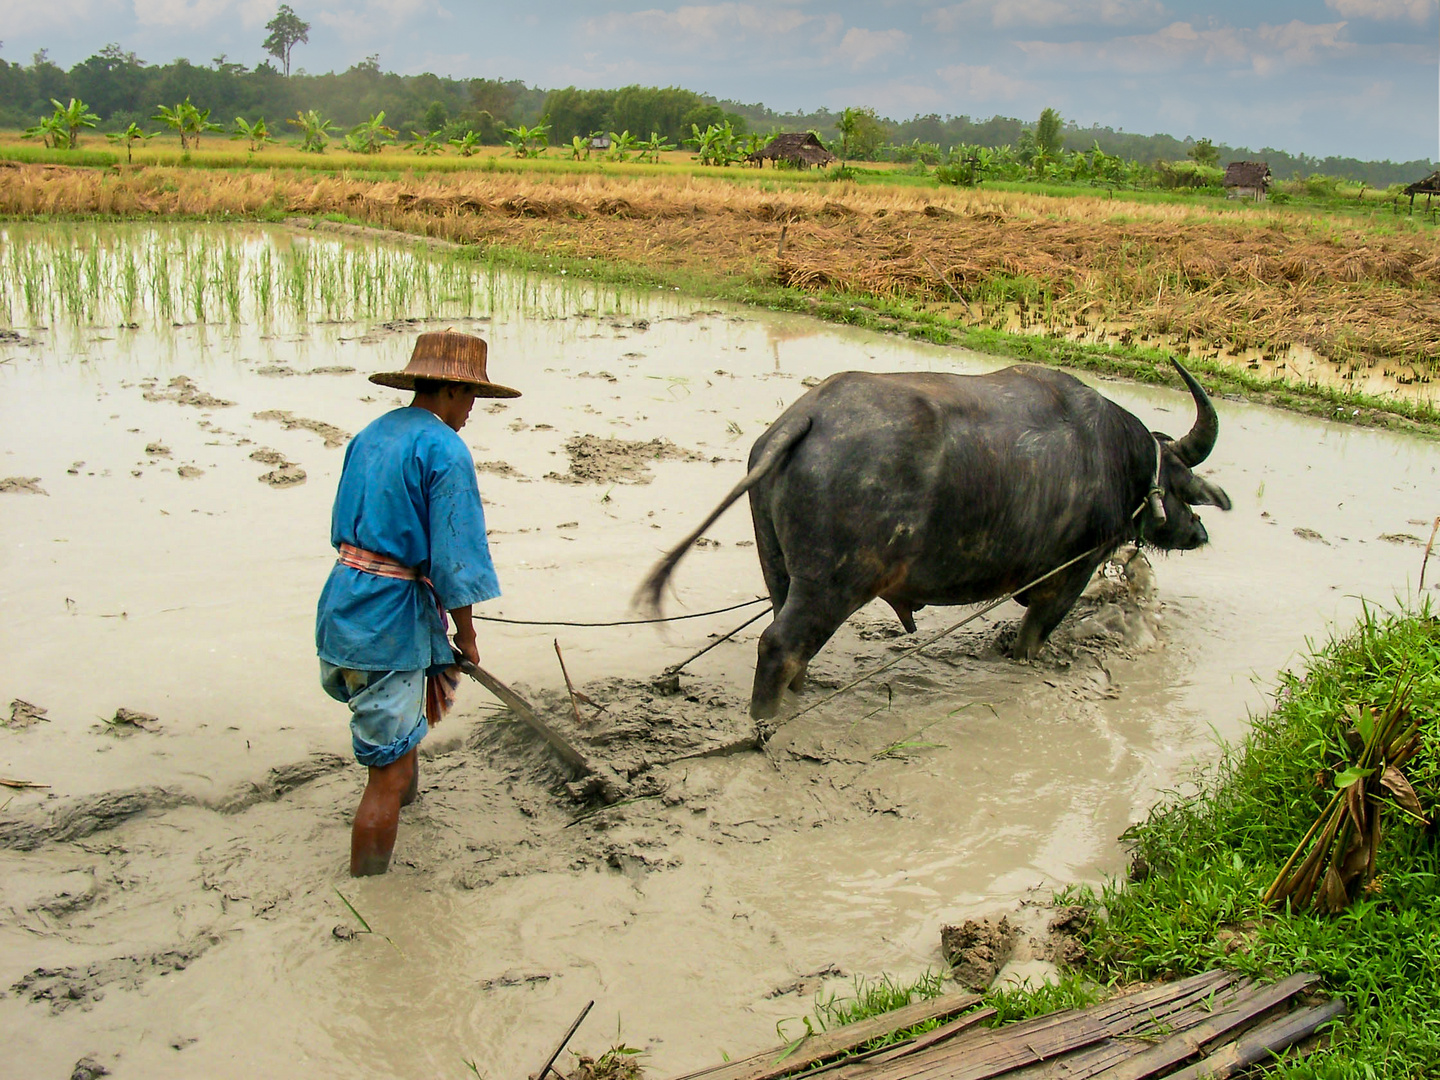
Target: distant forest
pixel 121 88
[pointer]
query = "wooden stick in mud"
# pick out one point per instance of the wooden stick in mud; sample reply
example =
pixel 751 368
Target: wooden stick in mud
pixel 549 1064
pixel 943 280
pixel 1428 547
pixel 526 712
pixel 21 784
pixel 569 686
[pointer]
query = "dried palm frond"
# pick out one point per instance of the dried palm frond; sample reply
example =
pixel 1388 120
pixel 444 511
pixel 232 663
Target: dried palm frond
pixel 1346 836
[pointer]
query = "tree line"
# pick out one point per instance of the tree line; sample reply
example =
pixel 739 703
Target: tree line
pixel 121 90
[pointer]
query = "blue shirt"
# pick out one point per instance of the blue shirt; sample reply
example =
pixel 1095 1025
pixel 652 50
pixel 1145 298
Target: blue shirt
pixel 408 492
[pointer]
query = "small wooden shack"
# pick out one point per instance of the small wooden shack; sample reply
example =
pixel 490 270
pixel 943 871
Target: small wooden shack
pixel 1429 187
pixel 1247 180
pixel 801 149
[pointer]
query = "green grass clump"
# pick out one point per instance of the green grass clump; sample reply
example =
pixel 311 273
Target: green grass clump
pixel 1206 858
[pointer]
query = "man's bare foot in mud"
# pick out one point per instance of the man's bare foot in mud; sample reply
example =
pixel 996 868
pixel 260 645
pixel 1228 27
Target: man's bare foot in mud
pixel 372 836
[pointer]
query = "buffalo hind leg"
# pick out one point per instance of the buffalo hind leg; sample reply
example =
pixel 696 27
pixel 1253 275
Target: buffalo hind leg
pixel 1047 604
pixel 810 617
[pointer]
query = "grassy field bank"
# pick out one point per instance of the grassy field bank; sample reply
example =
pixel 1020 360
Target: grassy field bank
pixel 1085 280
pixel 1205 859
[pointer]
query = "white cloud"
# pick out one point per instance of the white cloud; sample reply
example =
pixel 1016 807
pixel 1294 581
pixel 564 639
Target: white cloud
pixel 370 18
pixel 185 14
pixel 1414 10
pixel 1003 14
pixel 861 47
pixel 695 26
pixel 1262 49
pixel 983 83
pixel 54 13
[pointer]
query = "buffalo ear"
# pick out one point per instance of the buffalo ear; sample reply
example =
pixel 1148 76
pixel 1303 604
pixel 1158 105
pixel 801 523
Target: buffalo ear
pixel 1200 492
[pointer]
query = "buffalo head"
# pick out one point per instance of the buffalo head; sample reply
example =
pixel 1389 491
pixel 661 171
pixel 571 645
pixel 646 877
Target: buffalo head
pixel 1173 525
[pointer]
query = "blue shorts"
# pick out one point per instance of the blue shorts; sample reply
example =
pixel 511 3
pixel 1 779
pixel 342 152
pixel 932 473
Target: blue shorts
pixel 387 710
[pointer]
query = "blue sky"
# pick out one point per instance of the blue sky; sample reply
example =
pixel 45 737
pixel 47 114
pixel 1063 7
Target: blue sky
pixel 1350 77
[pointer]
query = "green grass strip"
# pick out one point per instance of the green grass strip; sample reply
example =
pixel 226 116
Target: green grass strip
pixel 1206 857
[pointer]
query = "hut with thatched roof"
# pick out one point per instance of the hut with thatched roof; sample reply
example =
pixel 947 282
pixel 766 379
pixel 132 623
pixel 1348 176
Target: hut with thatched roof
pixel 1429 187
pixel 801 149
pixel 1247 180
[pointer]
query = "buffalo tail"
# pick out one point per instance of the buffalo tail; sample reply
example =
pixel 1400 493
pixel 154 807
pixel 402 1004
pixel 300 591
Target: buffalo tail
pixel 648 596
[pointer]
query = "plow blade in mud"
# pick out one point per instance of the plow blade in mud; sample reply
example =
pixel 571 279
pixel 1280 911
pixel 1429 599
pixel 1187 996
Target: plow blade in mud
pixel 1210 1025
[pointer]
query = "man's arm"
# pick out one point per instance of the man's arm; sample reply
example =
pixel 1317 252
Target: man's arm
pixel 465 634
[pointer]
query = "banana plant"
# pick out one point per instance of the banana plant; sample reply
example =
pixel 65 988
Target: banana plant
pixel 622 146
pixel 257 133
pixel 579 148
pixel 368 136
pixel 466 144
pixel 654 146
pixel 130 136
pixel 716 145
pixel 72 118
pixel 425 143
pixel 314 130
pixel 187 121
pixel 528 142
pixel 49 131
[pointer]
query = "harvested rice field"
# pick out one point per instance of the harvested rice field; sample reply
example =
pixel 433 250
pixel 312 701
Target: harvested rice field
pixel 174 400
pixel 1345 304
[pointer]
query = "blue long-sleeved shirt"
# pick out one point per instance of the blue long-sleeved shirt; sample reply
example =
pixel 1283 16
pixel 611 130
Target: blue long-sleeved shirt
pixel 407 491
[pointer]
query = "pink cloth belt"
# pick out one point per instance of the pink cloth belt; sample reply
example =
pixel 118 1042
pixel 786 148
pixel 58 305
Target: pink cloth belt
pixel 440 687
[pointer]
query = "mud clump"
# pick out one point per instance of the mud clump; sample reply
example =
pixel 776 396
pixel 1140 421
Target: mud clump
pixel 596 460
pixel 183 391
pixel 23 714
pixel 21 485
pixel 499 468
pixel 156 449
pixel 128 721
pixel 333 436
pixel 189 472
pixel 288 475
pixel 65 987
pixel 977 950
pixel 1065 927
pixel 87 1068
pixel 285 474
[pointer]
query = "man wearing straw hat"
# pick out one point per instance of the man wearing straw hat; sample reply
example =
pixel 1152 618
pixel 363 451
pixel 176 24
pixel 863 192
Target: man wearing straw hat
pixel 410 531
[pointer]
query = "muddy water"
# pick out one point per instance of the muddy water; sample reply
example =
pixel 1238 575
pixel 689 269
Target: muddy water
pixel 167 902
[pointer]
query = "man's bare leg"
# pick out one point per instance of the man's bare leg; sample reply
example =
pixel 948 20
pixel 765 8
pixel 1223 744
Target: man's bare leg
pixel 372 837
pixel 413 791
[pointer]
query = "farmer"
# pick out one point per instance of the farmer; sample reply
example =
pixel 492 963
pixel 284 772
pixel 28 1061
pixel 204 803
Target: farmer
pixel 411 535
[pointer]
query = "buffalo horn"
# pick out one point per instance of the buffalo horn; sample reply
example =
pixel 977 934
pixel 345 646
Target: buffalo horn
pixel 1196 446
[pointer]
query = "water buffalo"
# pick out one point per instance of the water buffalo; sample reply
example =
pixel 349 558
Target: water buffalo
pixel 951 489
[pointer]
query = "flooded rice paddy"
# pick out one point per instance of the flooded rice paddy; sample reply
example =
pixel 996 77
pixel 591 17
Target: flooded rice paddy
pixel 168 899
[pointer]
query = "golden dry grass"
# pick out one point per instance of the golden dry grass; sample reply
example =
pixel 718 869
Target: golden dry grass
pixel 1230 278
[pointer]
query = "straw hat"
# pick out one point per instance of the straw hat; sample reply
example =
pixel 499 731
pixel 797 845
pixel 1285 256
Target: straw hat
pixel 447 356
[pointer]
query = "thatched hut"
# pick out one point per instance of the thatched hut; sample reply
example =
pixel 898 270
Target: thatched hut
pixel 1429 187
pixel 801 149
pixel 1247 180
